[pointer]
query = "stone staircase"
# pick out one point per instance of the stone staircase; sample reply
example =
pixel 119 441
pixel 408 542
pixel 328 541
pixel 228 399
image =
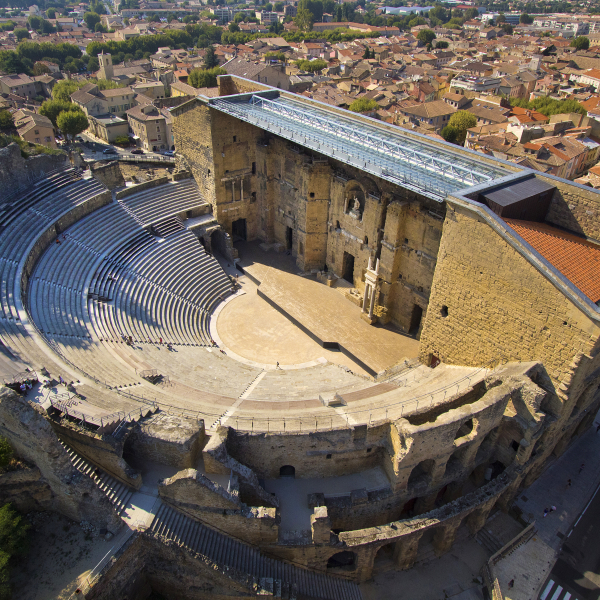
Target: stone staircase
pixel 488 540
pixel 270 577
pixel 118 493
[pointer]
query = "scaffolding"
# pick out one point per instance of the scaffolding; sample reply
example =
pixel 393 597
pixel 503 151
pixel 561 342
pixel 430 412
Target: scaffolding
pixel 430 169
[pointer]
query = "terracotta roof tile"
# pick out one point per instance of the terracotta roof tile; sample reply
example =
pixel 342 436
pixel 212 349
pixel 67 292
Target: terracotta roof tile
pixel 575 257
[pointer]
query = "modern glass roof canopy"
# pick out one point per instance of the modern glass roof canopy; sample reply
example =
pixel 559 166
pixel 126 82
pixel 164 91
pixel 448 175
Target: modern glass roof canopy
pixel 433 170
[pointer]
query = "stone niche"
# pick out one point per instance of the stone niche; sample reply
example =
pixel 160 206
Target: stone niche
pixel 167 439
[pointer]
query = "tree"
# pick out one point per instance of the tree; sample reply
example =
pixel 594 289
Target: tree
pixel 580 43
pixel 279 6
pixel 200 78
pixel 51 13
pixel 525 19
pixel 363 105
pixel 367 53
pixel 13 542
pixel 21 34
pixel 462 120
pixel 63 89
pixel 72 123
pixel 501 18
pixel 426 36
pixel 6 452
pixel 93 65
pixel 106 84
pixel 311 66
pixel 233 27
pixel 507 28
pixel 53 108
pixel 449 134
pixel 210 58
pixel 10 62
pixel 91 19
pixel 304 19
pixel 40 68
pixel 441 45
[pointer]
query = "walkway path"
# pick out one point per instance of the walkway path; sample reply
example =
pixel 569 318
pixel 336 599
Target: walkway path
pixel 531 563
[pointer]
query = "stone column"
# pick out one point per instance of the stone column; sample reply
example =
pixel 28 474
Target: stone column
pixel 425 504
pixel 444 536
pixel 365 558
pixel 476 520
pixel 232 190
pixel 241 189
pixel 372 302
pixel 365 301
pixel 406 550
pixel 320 525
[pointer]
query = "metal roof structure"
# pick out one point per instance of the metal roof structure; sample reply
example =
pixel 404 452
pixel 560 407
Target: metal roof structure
pixel 431 169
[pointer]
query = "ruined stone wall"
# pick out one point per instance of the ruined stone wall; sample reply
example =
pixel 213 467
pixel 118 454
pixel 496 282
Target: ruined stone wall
pixel 108 173
pixel 26 489
pixel 574 207
pixel 487 297
pixel 166 439
pixel 316 454
pixel 18 173
pixel 103 451
pixel 33 439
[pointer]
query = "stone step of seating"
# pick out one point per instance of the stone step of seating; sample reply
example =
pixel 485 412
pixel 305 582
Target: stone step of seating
pixel 168 227
pixel 228 553
pixel 175 198
pixel 118 493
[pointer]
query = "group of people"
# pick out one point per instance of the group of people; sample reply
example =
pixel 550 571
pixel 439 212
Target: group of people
pixel 25 386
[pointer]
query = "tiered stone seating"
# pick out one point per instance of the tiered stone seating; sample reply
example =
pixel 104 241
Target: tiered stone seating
pixel 22 220
pixel 111 277
pixel 155 204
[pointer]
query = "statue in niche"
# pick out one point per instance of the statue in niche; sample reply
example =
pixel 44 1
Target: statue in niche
pixel 355 211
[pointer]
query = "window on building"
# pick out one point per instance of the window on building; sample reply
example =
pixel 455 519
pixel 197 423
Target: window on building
pixel 37 140
pixel 37 131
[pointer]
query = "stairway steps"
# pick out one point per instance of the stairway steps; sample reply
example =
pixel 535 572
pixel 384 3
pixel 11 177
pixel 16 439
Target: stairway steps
pixel 117 492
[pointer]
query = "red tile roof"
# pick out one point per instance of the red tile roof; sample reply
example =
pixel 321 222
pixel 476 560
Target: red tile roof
pixel 575 257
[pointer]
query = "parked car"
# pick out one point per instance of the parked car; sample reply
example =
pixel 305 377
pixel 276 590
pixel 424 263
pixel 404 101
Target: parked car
pixel 110 150
pixel 137 151
pixel 170 153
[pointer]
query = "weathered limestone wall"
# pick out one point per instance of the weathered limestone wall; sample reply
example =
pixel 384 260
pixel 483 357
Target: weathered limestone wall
pixel 26 489
pixel 574 207
pixel 269 189
pixel 109 174
pixel 498 304
pixel 33 439
pixel 167 439
pixel 197 496
pixel 104 451
pixel 18 173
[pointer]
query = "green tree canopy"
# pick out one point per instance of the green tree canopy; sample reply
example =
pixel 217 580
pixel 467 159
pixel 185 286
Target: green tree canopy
pixel 14 541
pixel 550 106
pixel 580 43
pixel 311 66
pixel 53 108
pixel 233 27
pixel 462 120
pixel 210 58
pixel 6 451
pixel 200 78
pixel 63 89
pixel 450 134
pixel 426 36
pixel 304 19
pixel 72 123
pixel 21 34
pixel 525 19
pixel 363 105
pixel 91 19
pixel 51 13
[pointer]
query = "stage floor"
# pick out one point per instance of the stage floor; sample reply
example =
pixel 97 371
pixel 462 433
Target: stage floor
pixel 322 312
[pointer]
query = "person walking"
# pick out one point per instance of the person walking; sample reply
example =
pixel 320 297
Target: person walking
pixel 511 584
pixel 581 467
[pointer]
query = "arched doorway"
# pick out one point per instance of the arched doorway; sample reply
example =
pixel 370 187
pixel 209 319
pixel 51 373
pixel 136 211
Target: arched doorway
pixel 287 471
pixel 345 561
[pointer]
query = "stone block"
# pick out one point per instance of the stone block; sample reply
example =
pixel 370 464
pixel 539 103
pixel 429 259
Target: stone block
pixel 359 497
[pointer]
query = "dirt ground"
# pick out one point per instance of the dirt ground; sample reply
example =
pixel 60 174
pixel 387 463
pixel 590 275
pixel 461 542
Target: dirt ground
pixel 61 553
